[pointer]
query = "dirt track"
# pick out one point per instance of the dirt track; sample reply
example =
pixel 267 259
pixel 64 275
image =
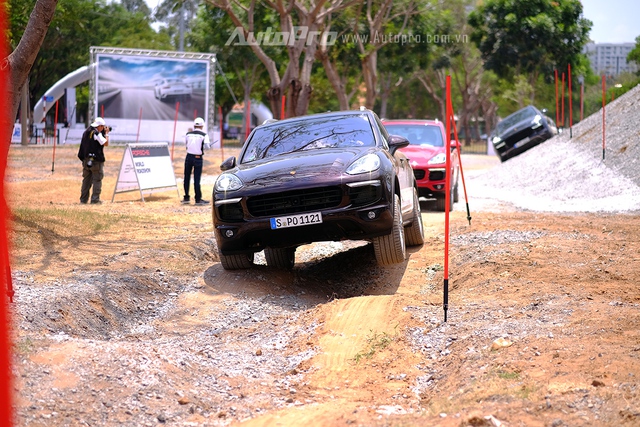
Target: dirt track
pixel 123 316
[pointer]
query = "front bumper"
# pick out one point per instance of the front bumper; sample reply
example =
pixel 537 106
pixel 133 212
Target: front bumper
pixel 351 211
pixel 337 224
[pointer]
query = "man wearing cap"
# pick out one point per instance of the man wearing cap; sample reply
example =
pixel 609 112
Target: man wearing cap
pixel 91 153
pixel 196 141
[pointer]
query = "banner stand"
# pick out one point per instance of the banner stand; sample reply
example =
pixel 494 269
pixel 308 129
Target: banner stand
pixel 147 168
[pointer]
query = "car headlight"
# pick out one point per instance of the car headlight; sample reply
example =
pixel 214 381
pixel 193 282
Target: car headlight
pixel 496 139
pixel 536 122
pixel 228 182
pixel 438 159
pixel 364 164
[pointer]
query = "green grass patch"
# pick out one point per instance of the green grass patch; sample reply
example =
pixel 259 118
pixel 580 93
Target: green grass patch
pixel 375 342
pixel 69 223
pixel 508 375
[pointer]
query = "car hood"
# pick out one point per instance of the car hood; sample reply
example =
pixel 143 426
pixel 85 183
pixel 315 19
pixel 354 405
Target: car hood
pixel 421 154
pixel 316 165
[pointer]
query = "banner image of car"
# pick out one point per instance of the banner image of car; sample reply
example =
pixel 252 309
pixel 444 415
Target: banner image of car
pixel 127 85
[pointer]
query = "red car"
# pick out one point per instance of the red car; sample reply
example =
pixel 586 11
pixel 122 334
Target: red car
pixel 427 156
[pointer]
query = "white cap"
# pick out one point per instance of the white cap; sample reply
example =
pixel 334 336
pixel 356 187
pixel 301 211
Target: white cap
pixel 99 121
pixel 198 122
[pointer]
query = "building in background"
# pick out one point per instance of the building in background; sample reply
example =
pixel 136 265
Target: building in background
pixel 610 58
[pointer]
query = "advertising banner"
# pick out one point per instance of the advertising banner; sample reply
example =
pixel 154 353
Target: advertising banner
pixel 152 95
pixel 146 168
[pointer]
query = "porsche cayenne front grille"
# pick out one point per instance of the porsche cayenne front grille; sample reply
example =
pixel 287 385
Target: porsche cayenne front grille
pixel 295 201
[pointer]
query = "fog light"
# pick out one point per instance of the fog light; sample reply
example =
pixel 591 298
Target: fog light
pixel 371 214
pixel 228 233
pixel 439 187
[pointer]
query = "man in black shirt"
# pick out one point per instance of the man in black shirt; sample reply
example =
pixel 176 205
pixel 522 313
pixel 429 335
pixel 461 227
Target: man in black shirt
pixel 91 153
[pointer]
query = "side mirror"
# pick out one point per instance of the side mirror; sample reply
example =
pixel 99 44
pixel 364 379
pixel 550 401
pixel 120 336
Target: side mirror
pixel 397 141
pixel 229 163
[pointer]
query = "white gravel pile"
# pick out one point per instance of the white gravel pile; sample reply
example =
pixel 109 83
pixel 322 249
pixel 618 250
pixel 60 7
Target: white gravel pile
pixel 568 174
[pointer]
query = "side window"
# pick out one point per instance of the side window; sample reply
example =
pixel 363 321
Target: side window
pixel 384 135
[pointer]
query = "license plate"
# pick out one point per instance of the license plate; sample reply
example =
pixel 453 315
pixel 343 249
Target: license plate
pixel 521 143
pixel 296 220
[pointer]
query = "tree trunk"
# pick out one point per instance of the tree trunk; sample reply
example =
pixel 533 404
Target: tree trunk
pixel 370 73
pixel 305 76
pixel 385 91
pixel 15 68
pixel 275 101
pixel 334 79
pixel 436 92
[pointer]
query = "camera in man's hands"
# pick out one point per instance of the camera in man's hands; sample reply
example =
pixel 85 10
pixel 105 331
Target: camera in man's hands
pixel 92 158
pixel 104 130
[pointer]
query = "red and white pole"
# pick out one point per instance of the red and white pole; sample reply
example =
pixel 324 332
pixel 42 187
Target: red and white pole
pixel 447 186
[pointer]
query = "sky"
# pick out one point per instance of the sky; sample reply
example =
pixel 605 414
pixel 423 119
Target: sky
pixel 614 21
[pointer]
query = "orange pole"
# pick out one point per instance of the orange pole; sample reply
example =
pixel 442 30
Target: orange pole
pixel 6 122
pixel 557 111
pixel 447 184
pixel 570 105
pixel 464 184
pixel 581 101
pixel 284 99
pixel 247 120
pixel 562 117
pixel 221 133
pixel 55 126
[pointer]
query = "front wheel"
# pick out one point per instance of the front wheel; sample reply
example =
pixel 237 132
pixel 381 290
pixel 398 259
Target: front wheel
pixel 282 258
pixel 415 232
pixel 236 261
pixel 390 249
pixel 441 201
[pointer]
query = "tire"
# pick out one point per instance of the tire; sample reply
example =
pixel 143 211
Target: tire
pixel 456 195
pixel 282 258
pixel 415 232
pixel 441 203
pixel 236 261
pixel 390 249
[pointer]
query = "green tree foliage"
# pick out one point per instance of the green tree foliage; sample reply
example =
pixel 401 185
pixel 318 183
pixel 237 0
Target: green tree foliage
pixel 77 25
pixel 134 6
pixel 179 16
pixel 530 37
pixel 244 74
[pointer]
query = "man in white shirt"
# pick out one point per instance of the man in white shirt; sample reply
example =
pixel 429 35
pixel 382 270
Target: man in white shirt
pixel 196 141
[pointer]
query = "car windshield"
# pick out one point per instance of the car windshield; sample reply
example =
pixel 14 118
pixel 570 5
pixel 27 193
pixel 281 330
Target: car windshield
pixel 515 118
pixel 418 134
pixel 309 134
